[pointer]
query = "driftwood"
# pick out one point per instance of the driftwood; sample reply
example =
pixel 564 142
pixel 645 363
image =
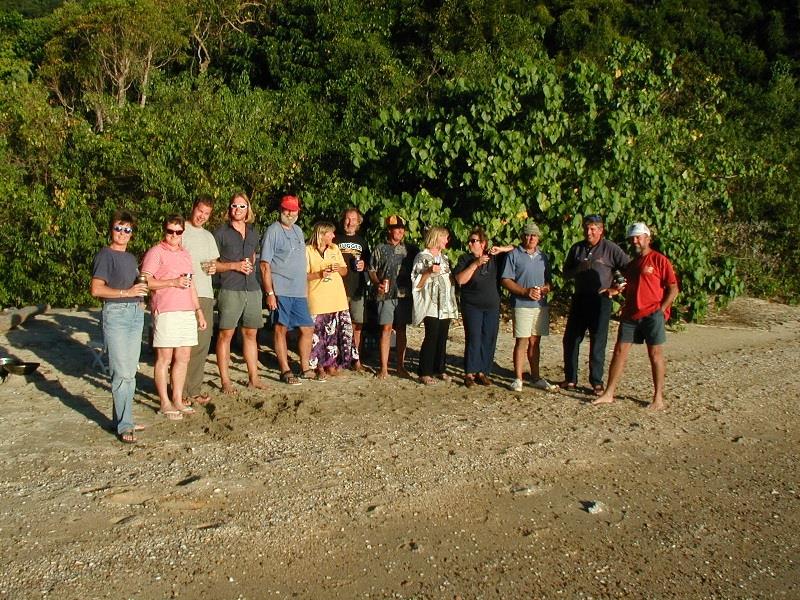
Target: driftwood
pixel 11 318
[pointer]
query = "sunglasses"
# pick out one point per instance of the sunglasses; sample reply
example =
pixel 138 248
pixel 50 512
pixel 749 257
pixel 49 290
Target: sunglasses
pixel 122 229
pixel 174 231
pixel 242 206
pixel 592 219
pixel 473 240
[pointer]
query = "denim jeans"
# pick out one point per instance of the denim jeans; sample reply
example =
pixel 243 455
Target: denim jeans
pixel 122 333
pixel 590 312
pixel 480 332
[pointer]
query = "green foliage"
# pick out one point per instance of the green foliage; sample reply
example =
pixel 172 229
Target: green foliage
pixel 538 142
pixel 681 113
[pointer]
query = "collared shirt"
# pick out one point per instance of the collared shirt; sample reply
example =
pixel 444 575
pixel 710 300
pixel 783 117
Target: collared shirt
pixel 285 251
pixel 602 260
pixel 648 278
pixel 325 296
pixel 528 270
pixel 235 248
pixel 394 263
pixel 162 262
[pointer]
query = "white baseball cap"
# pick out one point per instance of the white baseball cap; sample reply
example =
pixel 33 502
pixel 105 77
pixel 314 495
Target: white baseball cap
pixel 638 229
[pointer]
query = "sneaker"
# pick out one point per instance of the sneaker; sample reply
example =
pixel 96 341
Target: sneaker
pixel 516 385
pixel 545 385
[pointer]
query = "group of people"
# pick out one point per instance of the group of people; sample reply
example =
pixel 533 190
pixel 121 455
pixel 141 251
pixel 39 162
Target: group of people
pixel 319 287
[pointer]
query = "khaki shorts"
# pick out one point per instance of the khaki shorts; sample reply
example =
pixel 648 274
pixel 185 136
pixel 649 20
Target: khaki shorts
pixel 531 321
pixel 235 306
pixel 175 329
pixel 357 309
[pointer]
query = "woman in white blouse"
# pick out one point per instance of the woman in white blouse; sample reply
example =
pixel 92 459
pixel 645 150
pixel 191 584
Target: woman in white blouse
pixel 434 303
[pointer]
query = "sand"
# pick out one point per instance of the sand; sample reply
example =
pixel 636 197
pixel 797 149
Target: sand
pixel 390 489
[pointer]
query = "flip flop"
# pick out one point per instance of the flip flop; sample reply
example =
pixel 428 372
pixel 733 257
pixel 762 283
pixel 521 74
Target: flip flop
pixel 201 399
pixel 187 410
pixel 139 427
pixel 127 437
pixel 171 415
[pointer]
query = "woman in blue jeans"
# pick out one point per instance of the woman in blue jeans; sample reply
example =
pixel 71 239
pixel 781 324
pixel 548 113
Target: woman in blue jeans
pixel 114 275
pixel 477 272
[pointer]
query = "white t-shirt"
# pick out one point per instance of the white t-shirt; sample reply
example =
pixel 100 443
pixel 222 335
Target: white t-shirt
pixel 202 246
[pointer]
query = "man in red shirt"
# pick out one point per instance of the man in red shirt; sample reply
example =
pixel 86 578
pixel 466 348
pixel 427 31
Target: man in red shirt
pixel 651 288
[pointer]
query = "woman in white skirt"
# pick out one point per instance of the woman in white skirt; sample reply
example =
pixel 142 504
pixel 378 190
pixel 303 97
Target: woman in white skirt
pixel 176 314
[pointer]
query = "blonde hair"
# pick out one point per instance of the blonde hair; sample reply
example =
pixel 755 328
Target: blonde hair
pixel 251 216
pixel 320 229
pixel 433 234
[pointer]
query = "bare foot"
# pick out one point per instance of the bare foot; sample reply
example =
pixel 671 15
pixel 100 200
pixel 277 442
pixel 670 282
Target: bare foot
pixel 657 405
pixel 604 399
pixel 256 385
pixel 333 372
pixel 382 374
pixel 228 389
pixel 201 399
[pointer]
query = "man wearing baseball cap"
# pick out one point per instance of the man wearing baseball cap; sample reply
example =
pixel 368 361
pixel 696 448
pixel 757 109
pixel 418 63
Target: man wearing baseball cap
pixel 591 264
pixel 527 276
pixel 390 272
pixel 284 281
pixel 650 291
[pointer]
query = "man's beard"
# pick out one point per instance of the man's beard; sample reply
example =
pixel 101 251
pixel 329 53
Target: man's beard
pixel 288 220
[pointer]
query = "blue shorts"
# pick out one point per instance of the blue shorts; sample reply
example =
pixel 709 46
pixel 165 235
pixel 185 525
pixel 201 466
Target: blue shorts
pixel 293 312
pixel 648 329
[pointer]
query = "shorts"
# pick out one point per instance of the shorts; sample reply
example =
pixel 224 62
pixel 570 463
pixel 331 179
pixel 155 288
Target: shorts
pixel 531 321
pixel 357 309
pixel 175 329
pixel 234 306
pixel 648 329
pixel 396 311
pixel 292 312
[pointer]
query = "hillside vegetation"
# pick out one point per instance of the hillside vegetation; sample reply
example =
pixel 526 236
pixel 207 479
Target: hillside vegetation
pixel 682 114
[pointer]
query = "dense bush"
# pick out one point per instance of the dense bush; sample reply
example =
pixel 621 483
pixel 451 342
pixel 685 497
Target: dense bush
pixel 683 115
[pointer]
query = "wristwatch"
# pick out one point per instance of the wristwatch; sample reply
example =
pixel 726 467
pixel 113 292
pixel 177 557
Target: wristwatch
pixel 270 293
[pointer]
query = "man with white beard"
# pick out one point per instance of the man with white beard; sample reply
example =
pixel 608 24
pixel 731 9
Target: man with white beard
pixel 284 280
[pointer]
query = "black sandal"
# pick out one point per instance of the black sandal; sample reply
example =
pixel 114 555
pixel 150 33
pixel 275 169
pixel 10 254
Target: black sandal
pixel 289 378
pixel 312 375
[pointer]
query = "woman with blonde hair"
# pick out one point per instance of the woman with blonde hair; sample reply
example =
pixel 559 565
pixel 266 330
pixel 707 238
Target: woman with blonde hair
pixel 434 303
pixel 332 342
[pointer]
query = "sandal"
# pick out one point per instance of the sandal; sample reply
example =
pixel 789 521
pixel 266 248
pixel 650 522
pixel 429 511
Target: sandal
pixel 312 375
pixel 568 385
pixel 289 378
pixel 469 380
pixel 127 437
pixel 598 389
pixel 171 415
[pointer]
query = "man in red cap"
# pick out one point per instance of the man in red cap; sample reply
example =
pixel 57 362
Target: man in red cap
pixel 390 272
pixel 283 278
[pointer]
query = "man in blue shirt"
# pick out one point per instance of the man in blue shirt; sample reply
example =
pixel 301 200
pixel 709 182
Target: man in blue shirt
pixel 527 276
pixel 285 282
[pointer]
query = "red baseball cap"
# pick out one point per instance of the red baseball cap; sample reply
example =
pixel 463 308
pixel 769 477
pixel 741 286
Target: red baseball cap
pixel 290 203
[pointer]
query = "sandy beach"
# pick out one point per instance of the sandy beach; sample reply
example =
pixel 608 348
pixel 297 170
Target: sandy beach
pixel 390 489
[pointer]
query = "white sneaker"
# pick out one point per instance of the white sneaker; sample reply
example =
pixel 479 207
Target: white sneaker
pixel 516 385
pixel 545 385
